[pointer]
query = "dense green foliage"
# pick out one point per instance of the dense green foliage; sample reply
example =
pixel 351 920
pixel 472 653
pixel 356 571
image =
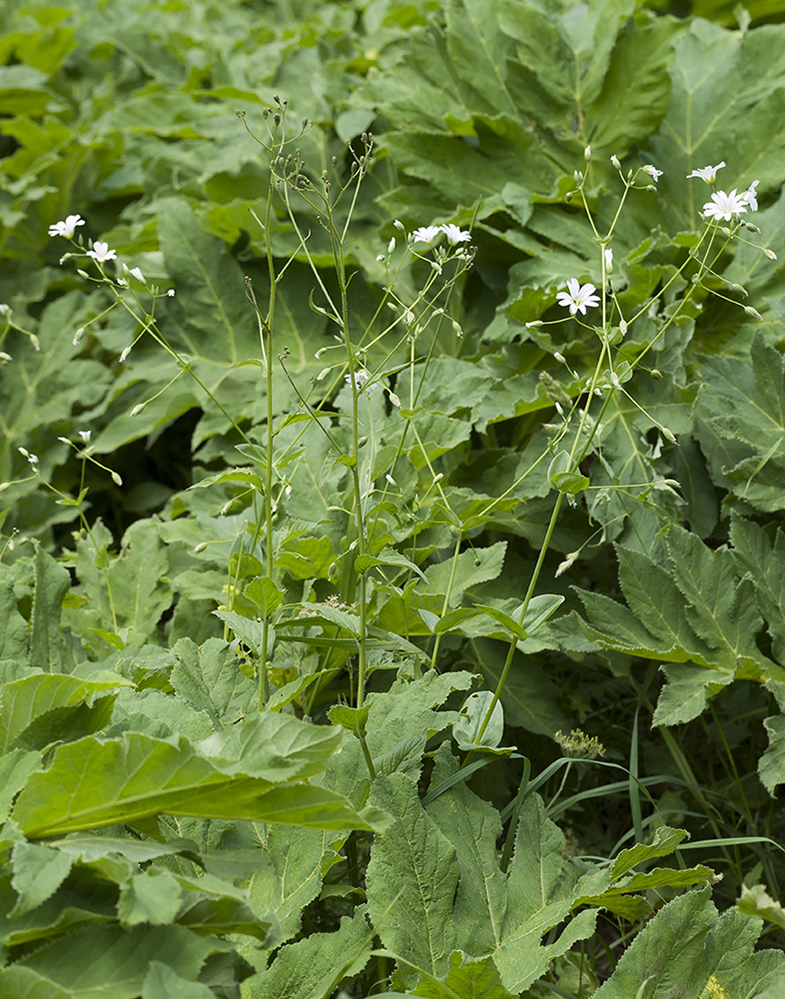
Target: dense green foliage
pixel 318 537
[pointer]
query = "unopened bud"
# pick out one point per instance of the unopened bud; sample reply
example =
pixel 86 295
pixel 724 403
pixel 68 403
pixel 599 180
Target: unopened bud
pixel 668 435
pixel 116 479
pixel 587 154
pixel 770 254
pixel 399 225
pixel 457 329
pixel 615 161
pixel 650 187
pixel 534 324
pixel 568 197
pixel 200 547
pixel 137 409
pixel 82 273
pixel 124 355
pixel 750 226
pixel 740 289
pixel 656 373
pixel 391 245
pixel 578 177
pixel 753 313
pixel 78 336
pixel 560 358
pixel 622 327
pixel 394 400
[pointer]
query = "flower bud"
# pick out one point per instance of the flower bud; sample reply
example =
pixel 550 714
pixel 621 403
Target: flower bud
pixel 656 373
pixel 568 197
pixel 137 409
pixel 534 324
pixel 615 161
pixel 753 313
pixel 668 435
pixel 578 177
pixel 587 154
pixel 116 479
pixel 391 245
pixel 622 327
pixel 739 289
pixel 770 254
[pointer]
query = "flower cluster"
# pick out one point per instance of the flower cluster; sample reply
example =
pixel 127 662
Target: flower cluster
pixel 723 206
pixel 428 233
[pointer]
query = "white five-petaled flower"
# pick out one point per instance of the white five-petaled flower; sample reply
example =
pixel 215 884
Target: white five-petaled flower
pixel 750 196
pixel 455 234
pixel 67 228
pixel 101 252
pixel 724 206
pixel 577 297
pixel 652 171
pixel 426 233
pixel 709 173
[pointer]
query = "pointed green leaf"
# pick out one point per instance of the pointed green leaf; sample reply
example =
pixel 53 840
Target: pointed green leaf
pixel 474 979
pixel 151 897
pixel 52 582
pixel 542 889
pixel 411 879
pixel 687 942
pixel 208 677
pixel 38 873
pixel 473 827
pixel 313 967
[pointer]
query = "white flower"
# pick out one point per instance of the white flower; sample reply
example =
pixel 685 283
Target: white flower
pixel 66 228
pixel 170 293
pixel 101 252
pixel 85 435
pixel 750 196
pixel 134 272
pixel 709 173
pixel 652 172
pixel 360 378
pixel 426 233
pixel 608 260
pixel 577 297
pixel 724 206
pixel 615 161
pixel 455 234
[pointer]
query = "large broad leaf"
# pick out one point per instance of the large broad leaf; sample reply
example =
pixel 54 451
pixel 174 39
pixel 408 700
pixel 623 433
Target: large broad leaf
pixel 742 425
pixel 312 968
pixel 36 701
pixel 688 943
pixel 694 613
pixel 105 959
pixel 290 877
pixel 473 827
pixel 94 782
pixel 542 889
pixel 411 879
